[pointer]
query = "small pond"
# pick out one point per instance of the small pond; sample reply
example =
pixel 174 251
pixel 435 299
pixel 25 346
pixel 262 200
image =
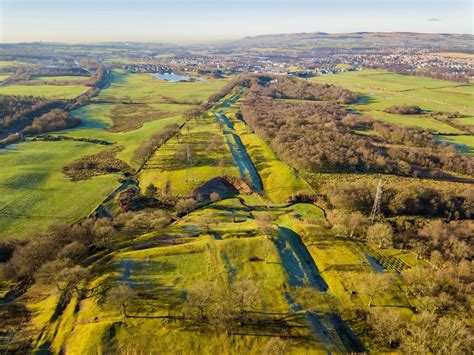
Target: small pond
pixel 174 78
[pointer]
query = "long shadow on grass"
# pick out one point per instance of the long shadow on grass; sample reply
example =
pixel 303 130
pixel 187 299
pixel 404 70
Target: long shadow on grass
pixel 298 263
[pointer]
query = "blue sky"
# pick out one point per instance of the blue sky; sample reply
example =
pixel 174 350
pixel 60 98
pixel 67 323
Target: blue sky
pixel 212 20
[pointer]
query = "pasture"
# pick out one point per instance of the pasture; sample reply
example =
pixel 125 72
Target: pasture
pixel 61 78
pixel 35 194
pixel 148 89
pixel 46 91
pixel 381 89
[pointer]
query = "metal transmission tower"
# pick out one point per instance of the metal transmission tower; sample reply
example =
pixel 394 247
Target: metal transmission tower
pixel 378 198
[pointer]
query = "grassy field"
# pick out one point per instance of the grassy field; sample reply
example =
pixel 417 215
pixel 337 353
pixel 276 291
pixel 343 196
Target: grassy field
pixel 47 91
pixel 96 119
pixel 13 64
pixel 464 143
pixel 34 193
pixel 207 161
pixel 3 77
pixel 61 78
pixel 146 88
pixel 381 89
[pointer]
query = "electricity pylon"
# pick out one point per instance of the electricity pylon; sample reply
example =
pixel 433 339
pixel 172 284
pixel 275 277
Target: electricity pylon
pixel 377 201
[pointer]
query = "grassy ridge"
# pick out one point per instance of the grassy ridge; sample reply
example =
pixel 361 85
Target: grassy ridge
pixel 279 180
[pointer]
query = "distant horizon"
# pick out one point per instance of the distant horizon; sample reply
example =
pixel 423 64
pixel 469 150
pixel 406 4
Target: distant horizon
pixel 212 21
pixel 230 39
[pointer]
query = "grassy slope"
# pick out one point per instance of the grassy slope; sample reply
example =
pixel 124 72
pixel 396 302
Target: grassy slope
pixel 35 194
pixel 163 165
pixel 279 180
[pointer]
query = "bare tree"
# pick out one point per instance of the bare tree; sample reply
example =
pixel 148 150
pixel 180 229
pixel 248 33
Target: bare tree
pixel 373 285
pixel 387 325
pixel 244 296
pixel 121 296
pixel 380 234
pixel 185 205
pixel 265 224
pixel 66 276
pixel 214 196
pixel 199 300
pixel 276 346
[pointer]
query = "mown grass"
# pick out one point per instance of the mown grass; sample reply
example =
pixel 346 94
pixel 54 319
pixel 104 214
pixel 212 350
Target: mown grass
pixel 46 91
pixel 34 193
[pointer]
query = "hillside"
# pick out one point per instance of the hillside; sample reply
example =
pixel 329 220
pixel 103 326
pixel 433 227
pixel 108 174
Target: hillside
pixel 241 224
pixel 359 40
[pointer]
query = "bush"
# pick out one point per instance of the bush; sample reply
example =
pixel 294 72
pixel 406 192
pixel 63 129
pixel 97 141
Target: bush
pixel 404 110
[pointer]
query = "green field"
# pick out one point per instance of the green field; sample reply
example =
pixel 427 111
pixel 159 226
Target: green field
pixel 34 193
pixel 381 89
pixel 12 64
pixel 146 88
pixel 4 77
pixel 61 78
pixel 161 274
pixel 301 274
pixel 47 91
pixel 465 144
pixel 96 119
pixel 206 163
